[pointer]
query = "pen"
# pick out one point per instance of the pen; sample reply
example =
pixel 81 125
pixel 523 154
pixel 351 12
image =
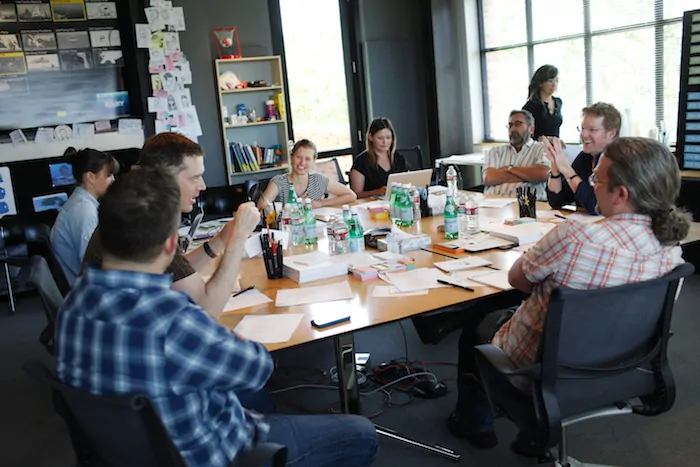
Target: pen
pixel 440 281
pixel 559 216
pixel 243 290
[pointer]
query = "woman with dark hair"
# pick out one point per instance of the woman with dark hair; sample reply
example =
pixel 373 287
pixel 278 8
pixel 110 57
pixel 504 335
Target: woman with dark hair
pixel 93 171
pixel 372 167
pixel 542 104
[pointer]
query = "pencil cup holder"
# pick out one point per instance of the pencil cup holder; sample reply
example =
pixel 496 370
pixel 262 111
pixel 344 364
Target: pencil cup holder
pixel 272 257
pixel 528 211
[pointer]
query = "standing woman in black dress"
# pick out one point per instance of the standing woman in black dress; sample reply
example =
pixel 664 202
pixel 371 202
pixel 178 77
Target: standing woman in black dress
pixel 542 104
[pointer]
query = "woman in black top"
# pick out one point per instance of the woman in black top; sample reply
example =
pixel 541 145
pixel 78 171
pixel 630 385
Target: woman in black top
pixel 542 104
pixel 372 167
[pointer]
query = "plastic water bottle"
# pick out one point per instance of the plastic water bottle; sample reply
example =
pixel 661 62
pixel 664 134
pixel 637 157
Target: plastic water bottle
pixel 310 224
pixel 450 217
pixel 329 235
pixel 286 219
pixel 393 211
pixel 452 181
pixel 472 216
pixel 341 237
pixel 347 216
pixel 462 219
pixel 406 207
pixel 357 234
pixel 415 202
pixel 297 224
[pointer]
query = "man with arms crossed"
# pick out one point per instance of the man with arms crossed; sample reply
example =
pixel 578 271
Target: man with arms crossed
pixel 184 160
pixel 636 183
pixel 568 183
pixel 124 330
pixel 521 163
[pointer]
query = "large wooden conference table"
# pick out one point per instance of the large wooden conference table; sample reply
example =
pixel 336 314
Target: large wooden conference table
pixel 367 311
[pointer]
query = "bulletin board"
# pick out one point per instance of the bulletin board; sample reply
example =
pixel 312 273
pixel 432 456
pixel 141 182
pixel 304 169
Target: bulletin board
pixel 61 62
pixel 688 142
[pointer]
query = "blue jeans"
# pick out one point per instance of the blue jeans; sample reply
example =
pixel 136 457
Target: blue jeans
pixel 324 440
pixel 316 440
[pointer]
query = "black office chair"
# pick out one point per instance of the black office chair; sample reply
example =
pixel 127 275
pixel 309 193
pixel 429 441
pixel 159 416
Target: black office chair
pixel 40 277
pixel 255 189
pixel 115 431
pixel 331 169
pixel 414 157
pixel 603 353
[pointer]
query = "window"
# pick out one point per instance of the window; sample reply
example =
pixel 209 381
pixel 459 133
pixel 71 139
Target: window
pixel 313 45
pixel 625 52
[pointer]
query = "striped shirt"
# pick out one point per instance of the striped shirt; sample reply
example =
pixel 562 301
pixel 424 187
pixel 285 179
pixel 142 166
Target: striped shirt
pixel 530 155
pixel 316 189
pixel 622 249
pixel 124 332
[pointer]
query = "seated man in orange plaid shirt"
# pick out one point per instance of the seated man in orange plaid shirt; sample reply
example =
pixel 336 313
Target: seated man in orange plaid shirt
pixel 636 183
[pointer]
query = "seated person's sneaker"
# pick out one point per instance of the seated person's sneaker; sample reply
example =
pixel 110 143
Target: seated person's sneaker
pixel 529 447
pixel 481 439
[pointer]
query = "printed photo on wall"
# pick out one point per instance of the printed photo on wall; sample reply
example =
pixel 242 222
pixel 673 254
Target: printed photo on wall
pixel 12 63
pixel 49 202
pixel 14 86
pixel 105 38
pixel 43 62
pixel 9 43
pixel 34 12
pixel 102 10
pixel 108 58
pixel 8 13
pixel 183 100
pixel 75 60
pixel 73 40
pixel 68 10
pixel 39 41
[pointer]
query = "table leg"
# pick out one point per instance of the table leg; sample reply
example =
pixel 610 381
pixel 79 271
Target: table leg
pixel 347 374
pixel 8 280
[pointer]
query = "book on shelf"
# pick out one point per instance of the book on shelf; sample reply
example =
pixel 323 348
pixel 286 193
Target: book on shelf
pixel 246 158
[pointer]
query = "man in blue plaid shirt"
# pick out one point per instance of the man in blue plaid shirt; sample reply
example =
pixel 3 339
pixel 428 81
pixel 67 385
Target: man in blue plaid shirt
pixel 122 330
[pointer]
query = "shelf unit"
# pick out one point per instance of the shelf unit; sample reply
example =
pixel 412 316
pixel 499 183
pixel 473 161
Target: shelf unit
pixel 262 133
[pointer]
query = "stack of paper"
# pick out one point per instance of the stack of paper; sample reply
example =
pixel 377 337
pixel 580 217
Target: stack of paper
pixel 521 233
pixel 497 279
pixel 318 294
pixel 314 266
pixel 462 264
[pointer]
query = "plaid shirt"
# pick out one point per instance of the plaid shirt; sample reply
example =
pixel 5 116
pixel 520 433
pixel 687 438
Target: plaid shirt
pixel 125 332
pixel 620 250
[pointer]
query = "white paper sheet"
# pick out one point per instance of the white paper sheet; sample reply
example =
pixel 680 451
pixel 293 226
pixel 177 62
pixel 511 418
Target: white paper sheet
pixel 389 256
pixel 83 130
pixel 497 279
pixel 415 279
pixel 327 213
pixel 130 126
pixel 359 259
pixel 252 245
pixel 156 104
pixel 585 218
pixel 268 329
pixel 317 294
pixel 495 202
pixel 177 18
pixel 155 21
pixel 246 299
pixel 44 135
pixel 389 291
pixel 462 264
pixel 380 203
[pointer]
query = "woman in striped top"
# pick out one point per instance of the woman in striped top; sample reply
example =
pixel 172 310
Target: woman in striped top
pixel 306 184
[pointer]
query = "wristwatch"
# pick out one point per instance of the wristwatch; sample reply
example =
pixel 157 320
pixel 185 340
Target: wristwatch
pixel 509 168
pixel 210 253
pixel 551 175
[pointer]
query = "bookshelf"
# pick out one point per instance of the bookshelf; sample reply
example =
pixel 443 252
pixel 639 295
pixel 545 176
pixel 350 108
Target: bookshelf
pixel 262 133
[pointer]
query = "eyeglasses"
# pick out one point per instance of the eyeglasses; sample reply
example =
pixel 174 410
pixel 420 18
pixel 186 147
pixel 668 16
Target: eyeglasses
pixel 593 180
pixel 589 129
pixel 515 123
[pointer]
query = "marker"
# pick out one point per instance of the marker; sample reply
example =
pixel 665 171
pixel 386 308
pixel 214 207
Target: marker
pixel 464 287
pixel 244 290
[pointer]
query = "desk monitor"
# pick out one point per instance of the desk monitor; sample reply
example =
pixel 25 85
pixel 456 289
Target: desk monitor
pixel 415 178
pixel 61 174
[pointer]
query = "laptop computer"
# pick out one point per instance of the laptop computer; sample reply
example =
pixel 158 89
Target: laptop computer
pixel 415 177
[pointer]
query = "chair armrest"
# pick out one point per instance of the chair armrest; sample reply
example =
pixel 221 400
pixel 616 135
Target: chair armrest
pixel 502 363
